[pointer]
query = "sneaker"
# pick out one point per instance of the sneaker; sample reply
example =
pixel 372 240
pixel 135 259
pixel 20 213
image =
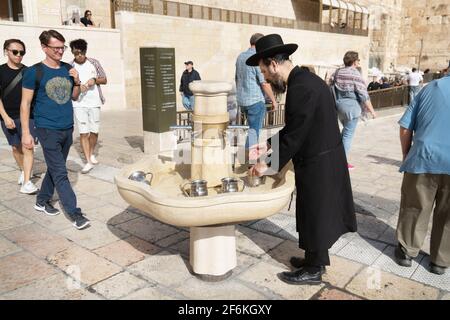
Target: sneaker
pixel 29 188
pixel 88 167
pixel 47 208
pixel 350 167
pixel 80 222
pixel 94 159
pixel 21 178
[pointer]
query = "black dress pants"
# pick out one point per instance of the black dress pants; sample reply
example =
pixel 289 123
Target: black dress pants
pixel 317 258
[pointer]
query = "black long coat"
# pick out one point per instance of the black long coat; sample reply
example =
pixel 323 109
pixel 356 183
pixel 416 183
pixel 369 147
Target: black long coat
pixel 311 138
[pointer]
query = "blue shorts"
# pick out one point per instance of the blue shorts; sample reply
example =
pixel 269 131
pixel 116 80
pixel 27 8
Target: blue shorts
pixel 14 136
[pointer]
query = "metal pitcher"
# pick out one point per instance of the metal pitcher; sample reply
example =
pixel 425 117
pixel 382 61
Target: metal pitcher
pixel 198 188
pixel 231 184
pixel 141 176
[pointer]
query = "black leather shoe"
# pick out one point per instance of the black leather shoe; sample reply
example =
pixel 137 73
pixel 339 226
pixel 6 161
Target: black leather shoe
pixel 300 276
pixel 298 262
pixel 402 258
pixel 434 268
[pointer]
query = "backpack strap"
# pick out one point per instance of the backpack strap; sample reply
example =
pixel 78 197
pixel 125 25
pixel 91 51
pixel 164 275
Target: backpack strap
pixel 13 83
pixel 37 81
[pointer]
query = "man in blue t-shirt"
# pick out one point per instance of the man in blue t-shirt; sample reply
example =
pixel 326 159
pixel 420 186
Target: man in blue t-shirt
pixel 51 86
pixel 424 135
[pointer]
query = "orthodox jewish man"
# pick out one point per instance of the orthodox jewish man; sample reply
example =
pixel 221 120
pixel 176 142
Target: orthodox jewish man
pixel 311 138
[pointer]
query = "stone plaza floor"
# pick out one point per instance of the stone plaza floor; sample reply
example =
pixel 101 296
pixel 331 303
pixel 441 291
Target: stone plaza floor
pixel 126 254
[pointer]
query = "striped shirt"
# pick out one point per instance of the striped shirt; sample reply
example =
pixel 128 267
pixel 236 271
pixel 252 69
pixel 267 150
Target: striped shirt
pixel 100 74
pixel 348 79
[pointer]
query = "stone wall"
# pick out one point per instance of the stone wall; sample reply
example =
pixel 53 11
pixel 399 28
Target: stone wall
pixel 214 46
pixel 103 44
pixel 425 24
pixel 384 32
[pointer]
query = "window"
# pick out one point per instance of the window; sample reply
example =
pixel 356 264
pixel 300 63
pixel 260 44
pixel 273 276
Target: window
pixel 11 10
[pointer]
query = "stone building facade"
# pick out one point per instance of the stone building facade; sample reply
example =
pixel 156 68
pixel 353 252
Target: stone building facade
pixel 390 34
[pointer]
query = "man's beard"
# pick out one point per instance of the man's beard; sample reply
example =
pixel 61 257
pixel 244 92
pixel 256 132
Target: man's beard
pixel 278 85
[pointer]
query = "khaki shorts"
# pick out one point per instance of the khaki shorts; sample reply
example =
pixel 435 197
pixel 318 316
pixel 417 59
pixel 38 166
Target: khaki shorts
pixel 88 119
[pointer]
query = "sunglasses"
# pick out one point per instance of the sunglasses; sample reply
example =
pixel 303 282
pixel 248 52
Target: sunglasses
pixel 16 52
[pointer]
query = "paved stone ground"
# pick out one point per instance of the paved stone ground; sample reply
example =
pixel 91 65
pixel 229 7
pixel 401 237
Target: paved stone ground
pixel 127 255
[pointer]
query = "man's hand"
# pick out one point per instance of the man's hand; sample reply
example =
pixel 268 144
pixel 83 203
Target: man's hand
pixel 258 169
pixel 74 73
pixel 28 141
pixel 83 88
pixel 9 123
pixel 257 151
pixel 274 105
pixel 374 115
pixel 90 83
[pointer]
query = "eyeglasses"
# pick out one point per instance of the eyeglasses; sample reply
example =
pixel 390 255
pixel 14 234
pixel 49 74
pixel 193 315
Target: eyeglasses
pixel 16 52
pixel 56 49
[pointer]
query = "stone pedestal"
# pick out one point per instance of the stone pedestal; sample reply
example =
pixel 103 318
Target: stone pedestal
pixel 211 154
pixel 213 250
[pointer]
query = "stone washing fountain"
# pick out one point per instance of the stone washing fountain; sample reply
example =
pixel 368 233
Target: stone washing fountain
pixel 169 196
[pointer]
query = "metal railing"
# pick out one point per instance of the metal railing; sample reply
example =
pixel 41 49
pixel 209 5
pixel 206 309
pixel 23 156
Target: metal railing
pixel 383 98
pixel 184 10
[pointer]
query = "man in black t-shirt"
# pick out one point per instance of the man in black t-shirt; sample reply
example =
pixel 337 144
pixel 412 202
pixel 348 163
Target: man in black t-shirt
pixel 86 20
pixel 10 99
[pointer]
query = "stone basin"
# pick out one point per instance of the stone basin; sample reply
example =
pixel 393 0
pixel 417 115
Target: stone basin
pixel 165 201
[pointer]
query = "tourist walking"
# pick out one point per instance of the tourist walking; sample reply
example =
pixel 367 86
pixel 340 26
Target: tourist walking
pixel 11 74
pixel 87 107
pixel 351 97
pixel 54 84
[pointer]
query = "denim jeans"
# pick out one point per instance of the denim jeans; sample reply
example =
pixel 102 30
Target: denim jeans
pixel 188 102
pixel 348 130
pixel 413 91
pixel 255 118
pixel 55 146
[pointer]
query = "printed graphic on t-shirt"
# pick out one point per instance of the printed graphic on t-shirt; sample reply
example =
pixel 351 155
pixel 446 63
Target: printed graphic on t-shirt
pixel 59 89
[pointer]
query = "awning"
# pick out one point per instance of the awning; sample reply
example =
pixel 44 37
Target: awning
pixel 343 4
pixel 358 8
pixel 351 7
pixel 333 3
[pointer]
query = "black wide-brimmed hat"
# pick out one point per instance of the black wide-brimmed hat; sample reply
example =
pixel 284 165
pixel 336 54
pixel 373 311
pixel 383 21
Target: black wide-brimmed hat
pixel 269 46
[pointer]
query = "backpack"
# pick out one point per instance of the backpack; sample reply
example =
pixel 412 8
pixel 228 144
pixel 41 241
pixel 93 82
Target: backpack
pixel 39 75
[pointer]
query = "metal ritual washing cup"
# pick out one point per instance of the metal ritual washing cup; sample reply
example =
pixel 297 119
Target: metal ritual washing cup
pixel 255 181
pixel 140 176
pixel 199 188
pixel 230 185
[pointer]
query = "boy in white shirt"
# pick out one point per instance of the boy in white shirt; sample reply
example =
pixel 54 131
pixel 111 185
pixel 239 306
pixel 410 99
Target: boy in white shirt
pixel 87 107
pixel 415 79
